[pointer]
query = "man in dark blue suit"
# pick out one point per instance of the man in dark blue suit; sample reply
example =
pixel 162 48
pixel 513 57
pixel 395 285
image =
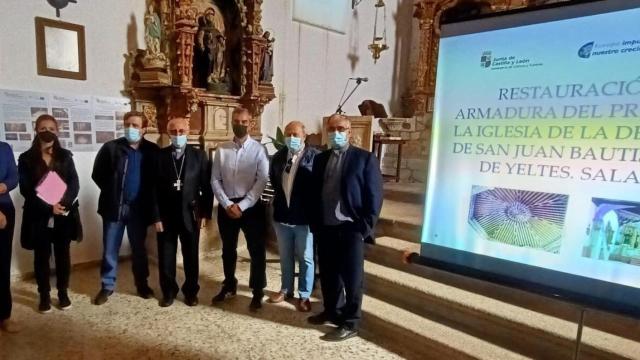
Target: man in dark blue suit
pixel 347 186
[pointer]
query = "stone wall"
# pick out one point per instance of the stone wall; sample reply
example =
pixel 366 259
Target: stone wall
pixel 415 152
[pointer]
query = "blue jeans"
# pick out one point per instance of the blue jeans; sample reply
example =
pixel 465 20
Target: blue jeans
pixel 295 242
pixel 112 240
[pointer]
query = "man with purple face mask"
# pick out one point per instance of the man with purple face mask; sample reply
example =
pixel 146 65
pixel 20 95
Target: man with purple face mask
pixel 123 170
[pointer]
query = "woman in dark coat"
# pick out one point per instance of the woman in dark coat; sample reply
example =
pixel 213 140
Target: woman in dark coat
pixel 8 182
pixel 44 225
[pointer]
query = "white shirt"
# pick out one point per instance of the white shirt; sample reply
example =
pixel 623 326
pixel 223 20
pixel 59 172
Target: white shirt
pixel 239 171
pixel 289 177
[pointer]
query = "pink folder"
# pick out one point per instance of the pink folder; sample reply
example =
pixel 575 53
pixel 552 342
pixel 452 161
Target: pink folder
pixel 51 188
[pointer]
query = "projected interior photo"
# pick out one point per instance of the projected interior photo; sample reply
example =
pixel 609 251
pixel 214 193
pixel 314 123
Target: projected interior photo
pixel 614 232
pixel 518 217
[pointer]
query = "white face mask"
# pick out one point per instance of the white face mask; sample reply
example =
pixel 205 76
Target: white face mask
pixel 132 134
pixel 293 143
pixel 179 141
pixel 338 139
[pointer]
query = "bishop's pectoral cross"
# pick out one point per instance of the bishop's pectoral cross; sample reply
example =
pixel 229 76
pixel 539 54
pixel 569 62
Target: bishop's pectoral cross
pixel 178 185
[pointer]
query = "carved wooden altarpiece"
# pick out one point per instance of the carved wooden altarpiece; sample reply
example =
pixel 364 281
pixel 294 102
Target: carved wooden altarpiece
pixel 202 58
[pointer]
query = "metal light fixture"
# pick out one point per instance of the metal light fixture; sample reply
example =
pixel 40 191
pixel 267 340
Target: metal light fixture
pixel 379 43
pixel 60 4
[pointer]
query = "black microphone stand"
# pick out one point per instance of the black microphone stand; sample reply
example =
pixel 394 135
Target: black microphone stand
pixel 341 103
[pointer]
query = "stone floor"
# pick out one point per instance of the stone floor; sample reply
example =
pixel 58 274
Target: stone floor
pixel 128 327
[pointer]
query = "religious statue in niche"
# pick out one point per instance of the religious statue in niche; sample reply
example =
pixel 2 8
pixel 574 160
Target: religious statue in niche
pixel 219 63
pixel 266 63
pixel 154 58
pixel 210 70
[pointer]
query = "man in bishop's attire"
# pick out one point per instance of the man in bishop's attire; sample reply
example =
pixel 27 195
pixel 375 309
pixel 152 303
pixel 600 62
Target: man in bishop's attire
pixel 183 204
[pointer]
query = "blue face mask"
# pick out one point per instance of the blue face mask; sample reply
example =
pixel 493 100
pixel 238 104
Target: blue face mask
pixel 338 139
pixel 132 134
pixel 179 141
pixel 293 143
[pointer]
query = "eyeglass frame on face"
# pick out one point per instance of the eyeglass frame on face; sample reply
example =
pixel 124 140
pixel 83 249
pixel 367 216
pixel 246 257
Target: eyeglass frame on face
pixel 337 128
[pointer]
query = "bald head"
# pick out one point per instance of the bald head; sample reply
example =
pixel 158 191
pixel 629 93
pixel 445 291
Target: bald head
pixel 295 129
pixel 178 126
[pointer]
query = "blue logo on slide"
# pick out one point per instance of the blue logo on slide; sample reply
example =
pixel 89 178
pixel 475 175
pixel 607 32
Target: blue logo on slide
pixel 485 59
pixel 585 50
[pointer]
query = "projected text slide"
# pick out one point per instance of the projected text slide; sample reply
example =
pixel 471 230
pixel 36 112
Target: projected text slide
pixel 536 146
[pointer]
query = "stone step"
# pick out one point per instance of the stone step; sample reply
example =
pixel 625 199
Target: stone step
pixel 416 337
pixel 391 252
pixel 518 329
pixel 405 192
pixel 400 220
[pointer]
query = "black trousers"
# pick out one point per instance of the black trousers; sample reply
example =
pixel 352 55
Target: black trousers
pixel 253 225
pixel 167 249
pixel 6 242
pixel 41 255
pixel 341 261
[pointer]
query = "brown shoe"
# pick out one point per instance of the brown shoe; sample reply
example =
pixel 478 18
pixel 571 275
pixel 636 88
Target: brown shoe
pixel 304 305
pixel 277 298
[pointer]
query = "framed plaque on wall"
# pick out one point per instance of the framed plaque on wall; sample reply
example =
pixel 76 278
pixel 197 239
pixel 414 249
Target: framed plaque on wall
pixel 60 49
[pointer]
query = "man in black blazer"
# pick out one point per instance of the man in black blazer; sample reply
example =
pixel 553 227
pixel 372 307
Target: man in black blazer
pixel 290 174
pixel 183 203
pixel 124 172
pixel 348 191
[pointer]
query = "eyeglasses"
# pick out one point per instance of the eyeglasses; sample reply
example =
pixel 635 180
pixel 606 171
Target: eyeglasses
pixel 287 168
pixel 338 128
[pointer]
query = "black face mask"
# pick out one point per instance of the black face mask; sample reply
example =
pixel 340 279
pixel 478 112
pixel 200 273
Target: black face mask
pixel 240 131
pixel 46 136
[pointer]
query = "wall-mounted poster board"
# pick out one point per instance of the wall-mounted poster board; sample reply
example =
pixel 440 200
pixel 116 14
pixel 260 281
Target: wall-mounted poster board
pixel 84 122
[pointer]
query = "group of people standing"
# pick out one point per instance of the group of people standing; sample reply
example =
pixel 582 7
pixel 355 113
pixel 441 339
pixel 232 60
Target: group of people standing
pixel 325 205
